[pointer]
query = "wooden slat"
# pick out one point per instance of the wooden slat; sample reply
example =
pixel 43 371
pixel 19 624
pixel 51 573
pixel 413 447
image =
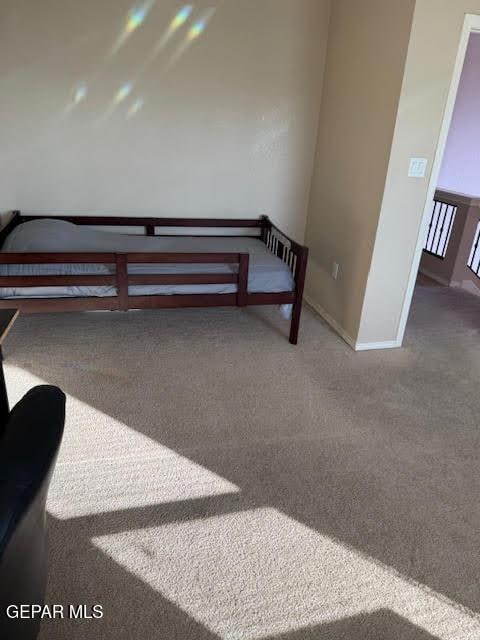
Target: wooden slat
pixel 291 257
pixel 257 236
pixel 56 281
pixel 295 246
pixel 242 280
pixel 132 221
pixel 265 225
pixel 110 258
pixel 183 258
pixel 182 278
pixel 56 258
pixel 300 273
pixel 175 301
pixel 122 281
pixel 94 280
pixel 45 305
pixel 285 297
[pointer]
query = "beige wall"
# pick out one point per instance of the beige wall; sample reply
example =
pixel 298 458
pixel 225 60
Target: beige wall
pixel 7 189
pixel 229 130
pixel 365 64
pixel 435 38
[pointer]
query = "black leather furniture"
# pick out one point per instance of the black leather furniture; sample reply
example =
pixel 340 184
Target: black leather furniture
pixel 28 450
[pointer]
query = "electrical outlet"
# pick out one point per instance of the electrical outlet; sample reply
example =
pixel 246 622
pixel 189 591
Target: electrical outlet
pixel 335 268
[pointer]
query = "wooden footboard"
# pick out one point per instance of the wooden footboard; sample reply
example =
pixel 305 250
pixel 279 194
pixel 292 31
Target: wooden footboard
pixel 292 253
pixel 295 256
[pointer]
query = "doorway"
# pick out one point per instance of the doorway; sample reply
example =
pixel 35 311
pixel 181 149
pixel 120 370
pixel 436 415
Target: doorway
pixel 436 234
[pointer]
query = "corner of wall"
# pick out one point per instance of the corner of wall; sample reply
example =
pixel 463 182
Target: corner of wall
pixel 346 190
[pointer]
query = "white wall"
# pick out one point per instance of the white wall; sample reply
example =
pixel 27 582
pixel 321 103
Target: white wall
pixel 229 130
pixel 461 162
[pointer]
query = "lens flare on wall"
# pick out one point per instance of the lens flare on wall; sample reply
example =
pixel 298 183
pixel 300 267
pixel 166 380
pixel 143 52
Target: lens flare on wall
pixel 123 93
pixel 135 18
pixel 195 31
pixel 135 108
pixel 179 19
pixel 119 97
pixel 79 94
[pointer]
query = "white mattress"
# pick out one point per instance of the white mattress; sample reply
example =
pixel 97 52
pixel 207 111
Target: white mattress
pixel 267 273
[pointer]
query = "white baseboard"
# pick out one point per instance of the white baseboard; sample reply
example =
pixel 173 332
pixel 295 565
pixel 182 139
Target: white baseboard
pixel 356 346
pixel 370 346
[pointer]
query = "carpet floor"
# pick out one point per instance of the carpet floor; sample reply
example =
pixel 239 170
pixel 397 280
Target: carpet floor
pixel 217 483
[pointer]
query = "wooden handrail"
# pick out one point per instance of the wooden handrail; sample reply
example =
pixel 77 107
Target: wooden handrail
pixel 456 199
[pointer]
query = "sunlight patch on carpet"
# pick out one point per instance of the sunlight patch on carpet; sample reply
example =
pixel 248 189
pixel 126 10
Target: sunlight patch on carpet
pixel 257 573
pixel 106 466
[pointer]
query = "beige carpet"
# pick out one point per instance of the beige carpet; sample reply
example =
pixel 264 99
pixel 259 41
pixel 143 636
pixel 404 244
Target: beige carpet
pixel 217 483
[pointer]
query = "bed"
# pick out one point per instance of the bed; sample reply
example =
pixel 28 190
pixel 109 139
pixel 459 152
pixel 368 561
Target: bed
pixel 75 263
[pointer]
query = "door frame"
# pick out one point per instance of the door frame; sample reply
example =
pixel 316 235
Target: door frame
pixel 471 25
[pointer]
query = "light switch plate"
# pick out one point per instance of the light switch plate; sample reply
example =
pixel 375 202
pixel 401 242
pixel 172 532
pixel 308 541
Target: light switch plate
pixel 417 168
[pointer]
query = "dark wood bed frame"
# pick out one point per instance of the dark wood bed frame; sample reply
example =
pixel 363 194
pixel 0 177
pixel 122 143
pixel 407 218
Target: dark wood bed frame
pixel 292 253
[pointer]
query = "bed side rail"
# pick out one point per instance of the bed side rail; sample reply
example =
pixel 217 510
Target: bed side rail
pixel 151 224
pixel 121 278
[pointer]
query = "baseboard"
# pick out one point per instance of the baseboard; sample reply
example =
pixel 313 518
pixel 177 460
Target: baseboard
pixel 356 346
pixel 370 346
pixel 433 276
pixel 330 321
pixel 469 286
